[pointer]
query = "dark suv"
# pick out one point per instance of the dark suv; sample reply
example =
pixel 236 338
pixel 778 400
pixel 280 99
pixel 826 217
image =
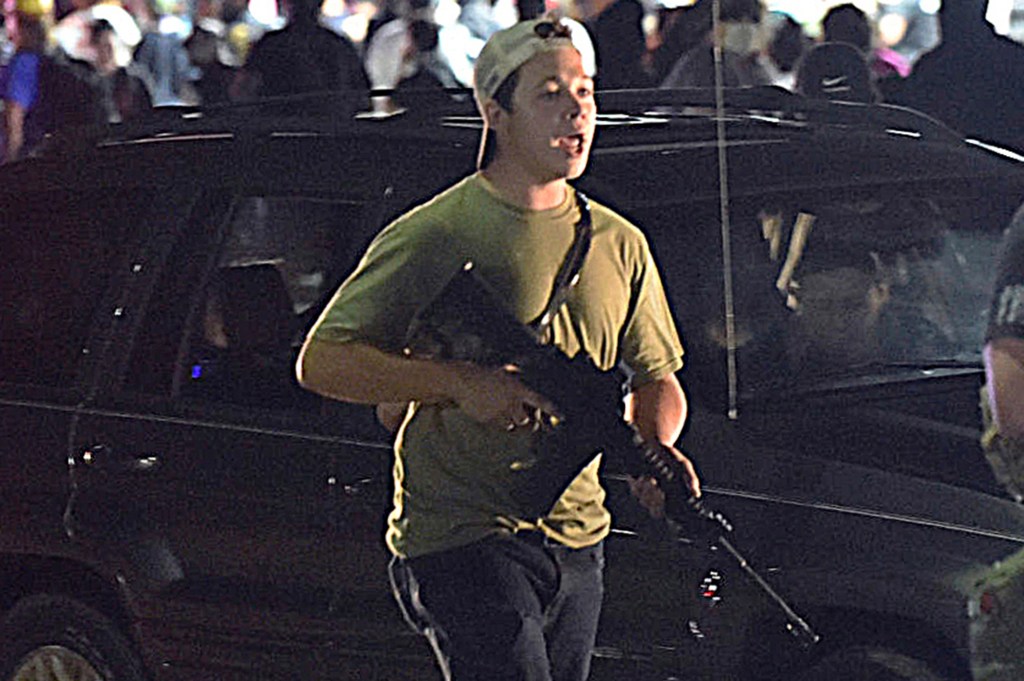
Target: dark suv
pixel 174 506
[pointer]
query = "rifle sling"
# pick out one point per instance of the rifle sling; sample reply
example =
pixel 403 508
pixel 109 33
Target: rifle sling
pixel 567 275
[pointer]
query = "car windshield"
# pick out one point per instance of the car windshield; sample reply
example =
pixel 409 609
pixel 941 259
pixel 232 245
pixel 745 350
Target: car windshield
pixel 827 288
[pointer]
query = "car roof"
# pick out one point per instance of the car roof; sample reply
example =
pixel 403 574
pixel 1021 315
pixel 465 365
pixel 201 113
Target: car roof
pixel 652 145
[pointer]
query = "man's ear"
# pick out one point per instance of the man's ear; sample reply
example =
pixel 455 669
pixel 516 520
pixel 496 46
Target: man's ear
pixel 493 114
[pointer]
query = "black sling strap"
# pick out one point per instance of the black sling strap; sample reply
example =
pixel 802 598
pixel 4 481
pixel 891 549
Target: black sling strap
pixel 568 273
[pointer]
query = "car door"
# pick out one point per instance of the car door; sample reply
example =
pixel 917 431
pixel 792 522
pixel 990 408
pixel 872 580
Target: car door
pixel 246 513
pixel 61 252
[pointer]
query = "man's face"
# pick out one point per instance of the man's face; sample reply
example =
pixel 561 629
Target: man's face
pixel 548 133
pixel 104 60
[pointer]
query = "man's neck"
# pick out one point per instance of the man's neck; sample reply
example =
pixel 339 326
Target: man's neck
pixel 525 194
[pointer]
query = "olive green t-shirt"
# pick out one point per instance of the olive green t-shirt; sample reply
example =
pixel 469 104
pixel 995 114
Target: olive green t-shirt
pixel 454 476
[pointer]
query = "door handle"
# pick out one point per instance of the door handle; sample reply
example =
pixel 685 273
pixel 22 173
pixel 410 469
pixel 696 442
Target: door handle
pixel 356 489
pixel 106 458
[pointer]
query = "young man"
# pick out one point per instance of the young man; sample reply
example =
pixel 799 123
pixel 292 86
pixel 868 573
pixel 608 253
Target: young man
pixel 501 594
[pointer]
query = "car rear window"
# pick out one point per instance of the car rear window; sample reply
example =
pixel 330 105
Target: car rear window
pixel 56 253
pixel 237 294
pixel 826 286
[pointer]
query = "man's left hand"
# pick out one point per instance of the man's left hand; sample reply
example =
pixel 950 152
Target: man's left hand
pixel 652 497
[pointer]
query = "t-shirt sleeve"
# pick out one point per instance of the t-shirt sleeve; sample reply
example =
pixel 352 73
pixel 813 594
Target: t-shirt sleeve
pixel 1006 315
pixel 651 348
pixel 22 85
pixel 404 268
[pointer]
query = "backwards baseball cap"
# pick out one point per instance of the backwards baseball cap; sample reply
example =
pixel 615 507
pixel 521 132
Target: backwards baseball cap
pixel 835 71
pixel 510 48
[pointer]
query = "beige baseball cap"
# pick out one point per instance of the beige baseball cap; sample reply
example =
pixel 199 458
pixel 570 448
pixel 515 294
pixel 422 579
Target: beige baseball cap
pixel 510 48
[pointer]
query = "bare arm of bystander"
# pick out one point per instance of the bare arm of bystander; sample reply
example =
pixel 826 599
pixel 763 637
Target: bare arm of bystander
pixel 1004 364
pixel 14 127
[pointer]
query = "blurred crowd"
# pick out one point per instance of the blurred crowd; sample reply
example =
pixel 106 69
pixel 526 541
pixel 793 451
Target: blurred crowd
pixel 65 61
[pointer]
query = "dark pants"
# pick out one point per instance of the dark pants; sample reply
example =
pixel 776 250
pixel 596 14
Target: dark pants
pixel 516 608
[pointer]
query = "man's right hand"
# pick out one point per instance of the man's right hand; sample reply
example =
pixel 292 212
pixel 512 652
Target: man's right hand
pixel 361 373
pixel 498 397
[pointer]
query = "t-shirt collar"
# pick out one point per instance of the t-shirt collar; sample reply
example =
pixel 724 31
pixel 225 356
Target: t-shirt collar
pixel 559 212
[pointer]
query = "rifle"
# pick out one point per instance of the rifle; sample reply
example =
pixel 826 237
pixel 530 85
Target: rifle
pixel 466 322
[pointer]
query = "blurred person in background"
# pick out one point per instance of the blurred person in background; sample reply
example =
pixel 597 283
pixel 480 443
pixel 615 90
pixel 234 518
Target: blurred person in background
pixel 211 53
pixel 616 28
pixel 905 27
pixel 387 11
pixel 679 29
pixel 27 23
pixel 531 9
pixel 787 45
pixel 973 81
pixel 125 94
pixel 464 27
pixel 427 72
pixel 304 56
pixel 350 19
pixel 44 91
pixel 385 54
pixel 240 29
pixel 996 653
pixel 740 26
pixel 835 71
pixel 846 23
pixel 456 44
pixel 73 33
pixel 404 56
pixel 6 46
pixel 1004 353
pixel 162 56
pixel 481 17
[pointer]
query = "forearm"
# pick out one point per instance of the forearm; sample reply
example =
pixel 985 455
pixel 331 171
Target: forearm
pixel 14 125
pixel 658 410
pixel 1004 365
pixel 362 373
pixel 357 372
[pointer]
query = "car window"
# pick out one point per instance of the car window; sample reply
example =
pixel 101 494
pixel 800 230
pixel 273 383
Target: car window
pixel 238 295
pixel 827 286
pixel 280 259
pixel 56 252
pixel 845 286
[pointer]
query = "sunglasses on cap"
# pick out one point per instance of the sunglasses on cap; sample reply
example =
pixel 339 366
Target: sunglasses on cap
pixel 551 29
